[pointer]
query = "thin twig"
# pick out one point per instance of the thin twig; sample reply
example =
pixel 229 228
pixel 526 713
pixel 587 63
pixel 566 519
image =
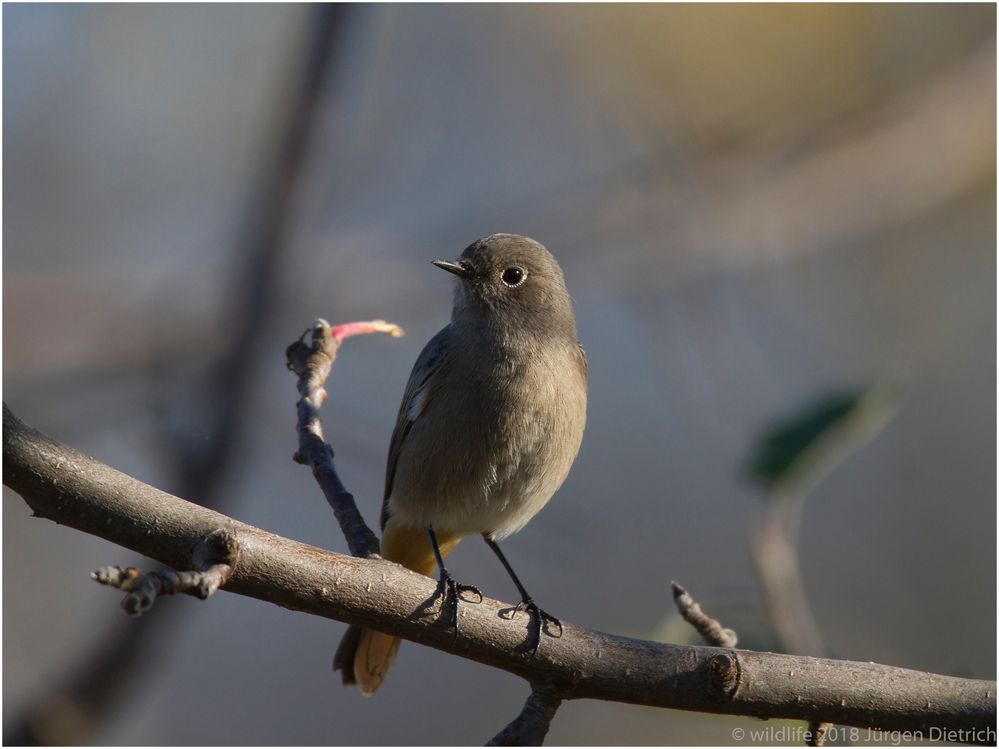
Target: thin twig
pixel 710 629
pixel 215 556
pixel 144 588
pixel 312 363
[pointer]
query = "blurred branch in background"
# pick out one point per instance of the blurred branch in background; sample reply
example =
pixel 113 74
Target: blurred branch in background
pixel 791 459
pixel 69 712
pixel 257 254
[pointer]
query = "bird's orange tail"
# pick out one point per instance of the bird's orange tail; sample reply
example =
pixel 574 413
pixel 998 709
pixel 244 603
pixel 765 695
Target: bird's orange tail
pixel 364 655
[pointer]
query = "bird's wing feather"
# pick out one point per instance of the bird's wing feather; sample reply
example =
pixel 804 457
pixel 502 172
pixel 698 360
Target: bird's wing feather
pixel 419 391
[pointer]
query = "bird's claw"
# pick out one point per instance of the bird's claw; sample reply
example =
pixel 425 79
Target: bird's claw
pixel 544 620
pixel 452 592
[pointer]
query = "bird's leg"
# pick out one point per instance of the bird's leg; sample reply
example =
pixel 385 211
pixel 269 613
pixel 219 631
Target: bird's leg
pixel 452 589
pixel 544 620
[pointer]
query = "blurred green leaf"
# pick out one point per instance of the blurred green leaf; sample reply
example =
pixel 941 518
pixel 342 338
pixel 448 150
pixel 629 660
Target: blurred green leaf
pixel 804 445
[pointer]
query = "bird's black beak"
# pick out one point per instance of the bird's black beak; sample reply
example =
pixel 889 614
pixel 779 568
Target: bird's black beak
pixel 459 269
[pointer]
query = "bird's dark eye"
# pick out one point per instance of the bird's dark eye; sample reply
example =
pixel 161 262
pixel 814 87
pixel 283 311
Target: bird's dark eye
pixel 514 276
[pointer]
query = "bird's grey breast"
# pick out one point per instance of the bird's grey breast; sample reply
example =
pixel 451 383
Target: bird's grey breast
pixel 507 420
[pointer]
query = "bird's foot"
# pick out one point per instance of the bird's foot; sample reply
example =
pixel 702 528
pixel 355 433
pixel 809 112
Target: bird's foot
pixel 451 592
pixel 541 619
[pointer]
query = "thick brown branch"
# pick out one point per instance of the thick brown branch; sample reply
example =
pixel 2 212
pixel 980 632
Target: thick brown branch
pixel 312 363
pixel 73 489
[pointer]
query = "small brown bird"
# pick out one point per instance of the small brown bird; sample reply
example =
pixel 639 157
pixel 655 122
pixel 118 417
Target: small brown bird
pixel 490 423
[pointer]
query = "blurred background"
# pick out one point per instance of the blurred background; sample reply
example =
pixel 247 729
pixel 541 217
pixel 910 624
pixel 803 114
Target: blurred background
pixel 757 209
